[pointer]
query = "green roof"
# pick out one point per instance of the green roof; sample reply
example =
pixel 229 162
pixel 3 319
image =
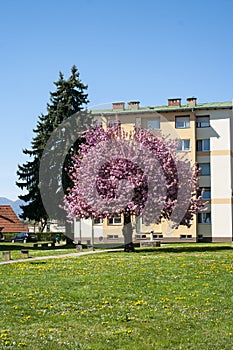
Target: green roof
pixel 165 108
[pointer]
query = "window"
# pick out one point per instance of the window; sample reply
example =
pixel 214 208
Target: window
pixel 138 236
pixel 112 123
pixel 116 220
pixel 184 145
pixel 97 123
pixel 203 145
pixel 157 236
pixel 138 122
pixel 183 122
pixel 203 121
pixel 186 236
pixel 112 236
pixel 153 124
pixel 204 218
pixel 206 192
pixel 205 168
pixel 144 221
pixel 98 221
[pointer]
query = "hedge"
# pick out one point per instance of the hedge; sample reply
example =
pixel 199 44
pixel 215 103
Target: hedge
pixel 42 236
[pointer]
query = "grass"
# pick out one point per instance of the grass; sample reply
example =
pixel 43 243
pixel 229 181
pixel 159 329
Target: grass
pixel 173 297
pixel 15 249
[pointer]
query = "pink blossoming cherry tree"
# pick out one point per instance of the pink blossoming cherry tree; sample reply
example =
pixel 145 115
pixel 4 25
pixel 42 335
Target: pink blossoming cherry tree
pixel 132 174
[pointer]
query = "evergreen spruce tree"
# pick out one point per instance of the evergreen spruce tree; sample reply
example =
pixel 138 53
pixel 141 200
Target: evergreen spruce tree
pixel 70 97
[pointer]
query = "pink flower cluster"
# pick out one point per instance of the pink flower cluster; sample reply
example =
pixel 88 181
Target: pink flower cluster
pixel 136 173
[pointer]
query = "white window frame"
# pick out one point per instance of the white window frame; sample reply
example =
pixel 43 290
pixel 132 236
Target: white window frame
pixel 140 236
pixel 112 237
pixel 157 236
pixel 138 122
pixel 203 145
pixel 204 218
pixel 98 221
pixel 97 123
pixel 203 121
pixel 182 122
pixel 183 236
pixel 206 190
pixel 156 123
pixel 114 220
pixel 200 165
pixel 182 147
pixel 112 123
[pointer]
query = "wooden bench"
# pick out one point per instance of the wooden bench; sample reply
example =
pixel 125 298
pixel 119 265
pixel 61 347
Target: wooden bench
pixel 79 247
pixel 6 256
pixel 150 244
pixel 25 254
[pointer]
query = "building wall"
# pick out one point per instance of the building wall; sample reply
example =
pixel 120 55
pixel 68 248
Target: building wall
pixel 83 231
pixel 220 179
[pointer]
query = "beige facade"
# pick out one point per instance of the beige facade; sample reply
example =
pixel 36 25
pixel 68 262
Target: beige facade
pixel 206 133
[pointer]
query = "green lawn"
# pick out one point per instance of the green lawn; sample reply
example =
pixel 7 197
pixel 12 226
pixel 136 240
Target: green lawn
pixel 173 297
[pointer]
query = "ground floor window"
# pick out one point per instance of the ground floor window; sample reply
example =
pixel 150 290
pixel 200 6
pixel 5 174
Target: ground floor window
pixel 186 236
pixel 138 236
pixel 157 236
pixel 115 220
pixel 98 221
pixel 112 236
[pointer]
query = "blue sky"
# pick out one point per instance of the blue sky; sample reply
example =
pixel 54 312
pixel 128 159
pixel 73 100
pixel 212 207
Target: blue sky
pixel 125 50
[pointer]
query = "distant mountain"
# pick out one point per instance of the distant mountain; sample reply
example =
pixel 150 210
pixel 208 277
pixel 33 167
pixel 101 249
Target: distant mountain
pixel 14 204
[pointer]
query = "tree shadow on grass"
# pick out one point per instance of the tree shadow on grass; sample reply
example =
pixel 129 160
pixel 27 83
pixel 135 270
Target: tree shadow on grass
pixel 29 246
pixel 185 249
pixel 177 248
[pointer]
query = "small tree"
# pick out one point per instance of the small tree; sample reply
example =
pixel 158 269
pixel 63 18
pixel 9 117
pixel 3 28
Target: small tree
pixel 134 173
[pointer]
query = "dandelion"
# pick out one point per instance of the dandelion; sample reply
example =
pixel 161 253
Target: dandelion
pixel 21 344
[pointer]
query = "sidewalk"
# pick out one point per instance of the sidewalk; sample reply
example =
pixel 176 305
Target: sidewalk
pixel 78 254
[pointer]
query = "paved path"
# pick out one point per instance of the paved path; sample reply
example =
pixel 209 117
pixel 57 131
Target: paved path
pixel 78 254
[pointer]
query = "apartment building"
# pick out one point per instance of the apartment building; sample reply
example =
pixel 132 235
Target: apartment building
pixel 206 136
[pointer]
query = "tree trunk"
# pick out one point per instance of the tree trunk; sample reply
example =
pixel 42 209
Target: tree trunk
pixel 128 234
pixel 43 225
pixel 68 233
